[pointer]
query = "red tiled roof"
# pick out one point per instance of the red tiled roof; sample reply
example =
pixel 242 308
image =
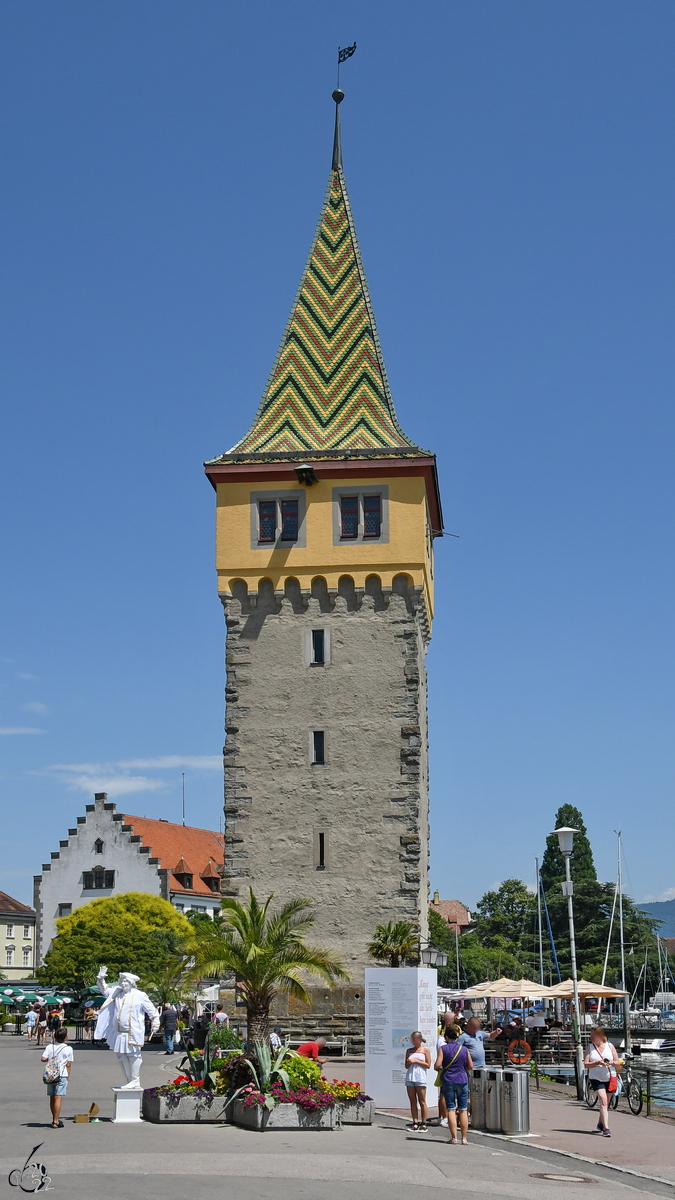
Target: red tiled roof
pixel 173 845
pixel 9 905
pixel 452 911
pixel 668 945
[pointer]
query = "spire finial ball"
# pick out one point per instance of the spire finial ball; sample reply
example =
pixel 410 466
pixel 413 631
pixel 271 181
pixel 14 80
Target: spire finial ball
pixel 338 96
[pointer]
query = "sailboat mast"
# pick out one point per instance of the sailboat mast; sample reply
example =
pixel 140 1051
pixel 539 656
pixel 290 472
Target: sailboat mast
pixel 541 944
pixel 623 957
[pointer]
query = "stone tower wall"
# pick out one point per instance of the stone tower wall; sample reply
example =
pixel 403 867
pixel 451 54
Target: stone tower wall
pixel 369 798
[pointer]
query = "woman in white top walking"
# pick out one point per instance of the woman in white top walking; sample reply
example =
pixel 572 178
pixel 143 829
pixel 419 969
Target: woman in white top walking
pixel 602 1062
pixel 417 1063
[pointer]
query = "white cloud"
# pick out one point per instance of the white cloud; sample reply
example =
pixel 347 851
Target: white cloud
pixel 26 675
pixel 669 894
pixel 9 730
pixel 35 706
pixel 114 778
pixel 115 785
pixel 171 762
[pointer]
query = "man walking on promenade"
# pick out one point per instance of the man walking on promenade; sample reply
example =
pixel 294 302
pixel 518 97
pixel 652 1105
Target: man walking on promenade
pixel 167 1023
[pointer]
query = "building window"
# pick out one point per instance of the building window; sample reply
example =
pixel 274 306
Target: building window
pixel 267 520
pixel 98 880
pixel 198 908
pixel 278 518
pixel 349 516
pixel 360 516
pixel 26 931
pixel 180 907
pixel 184 880
pixel 10 930
pixel 66 909
pixel 320 849
pixel 26 956
pixel 214 884
pixel 318 646
pixel 289 520
pixel 318 746
pixel 98 846
pixel 372 516
pixel 9 956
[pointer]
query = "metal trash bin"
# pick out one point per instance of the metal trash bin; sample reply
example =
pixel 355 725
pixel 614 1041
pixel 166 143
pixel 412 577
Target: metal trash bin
pixel 477 1097
pixel 515 1102
pixel 493 1099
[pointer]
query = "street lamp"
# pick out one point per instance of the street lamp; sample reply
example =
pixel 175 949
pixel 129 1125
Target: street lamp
pixel 432 956
pixel 565 836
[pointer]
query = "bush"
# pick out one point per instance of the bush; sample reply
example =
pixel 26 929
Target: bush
pixel 224 1038
pixel 302 1072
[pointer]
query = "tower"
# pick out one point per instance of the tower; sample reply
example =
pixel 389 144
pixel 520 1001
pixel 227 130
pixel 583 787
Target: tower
pixel 326 515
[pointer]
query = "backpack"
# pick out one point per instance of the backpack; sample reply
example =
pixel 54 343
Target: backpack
pixel 55 1021
pixel 52 1071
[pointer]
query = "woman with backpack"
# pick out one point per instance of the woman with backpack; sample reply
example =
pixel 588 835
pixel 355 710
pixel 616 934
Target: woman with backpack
pixel 59 1060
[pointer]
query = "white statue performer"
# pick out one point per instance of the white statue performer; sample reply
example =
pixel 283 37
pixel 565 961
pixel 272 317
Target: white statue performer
pixel 121 1021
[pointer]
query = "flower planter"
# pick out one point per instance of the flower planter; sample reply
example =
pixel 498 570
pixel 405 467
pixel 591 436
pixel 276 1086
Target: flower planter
pixel 358 1112
pixel 185 1108
pixel 285 1116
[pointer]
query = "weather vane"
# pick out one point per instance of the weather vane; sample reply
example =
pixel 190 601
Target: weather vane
pixel 343 55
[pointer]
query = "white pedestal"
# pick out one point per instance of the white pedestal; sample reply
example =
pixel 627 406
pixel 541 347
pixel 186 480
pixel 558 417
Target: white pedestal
pixel 127 1104
pixel 398 1000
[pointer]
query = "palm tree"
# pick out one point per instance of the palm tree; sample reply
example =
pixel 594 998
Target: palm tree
pixel 171 983
pixel 394 943
pixel 267 953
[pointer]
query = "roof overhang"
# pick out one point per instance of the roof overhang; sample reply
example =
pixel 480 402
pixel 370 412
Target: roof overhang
pixel 255 469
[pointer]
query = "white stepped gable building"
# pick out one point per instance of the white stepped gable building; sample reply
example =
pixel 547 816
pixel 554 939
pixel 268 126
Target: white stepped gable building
pixel 109 852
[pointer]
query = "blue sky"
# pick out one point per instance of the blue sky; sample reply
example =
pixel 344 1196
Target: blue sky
pixel 511 172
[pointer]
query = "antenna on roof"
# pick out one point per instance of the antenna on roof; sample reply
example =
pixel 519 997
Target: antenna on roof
pixel 183 774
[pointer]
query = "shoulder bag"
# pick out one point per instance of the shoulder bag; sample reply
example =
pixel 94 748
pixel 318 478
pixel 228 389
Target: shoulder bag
pixel 439 1076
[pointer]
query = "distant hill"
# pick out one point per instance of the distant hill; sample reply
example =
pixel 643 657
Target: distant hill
pixel 664 910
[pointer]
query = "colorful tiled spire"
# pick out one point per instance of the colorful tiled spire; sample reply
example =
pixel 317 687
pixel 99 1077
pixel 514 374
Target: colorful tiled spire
pixel 328 389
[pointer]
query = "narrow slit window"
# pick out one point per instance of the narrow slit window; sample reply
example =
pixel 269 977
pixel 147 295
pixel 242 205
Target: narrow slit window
pixel 289 520
pixel 372 516
pixel 318 746
pixel 321 865
pixel 349 516
pixel 98 846
pixel 267 520
pixel 318 646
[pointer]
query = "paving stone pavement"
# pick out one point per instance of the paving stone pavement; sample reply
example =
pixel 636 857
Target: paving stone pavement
pixel 385 1162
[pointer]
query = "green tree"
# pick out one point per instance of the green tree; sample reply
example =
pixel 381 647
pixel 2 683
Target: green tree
pixel 394 943
pixel 440 933
pixel 267 952
pixel 130 932
pixel 581 861
pixel 503 918
pixel 479 962
pixel 171 983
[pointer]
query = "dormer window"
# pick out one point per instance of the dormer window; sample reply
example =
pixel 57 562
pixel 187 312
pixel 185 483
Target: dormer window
pixel 185 880
pixel 98 846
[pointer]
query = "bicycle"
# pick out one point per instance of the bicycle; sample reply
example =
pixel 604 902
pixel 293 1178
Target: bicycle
pixel 628 1087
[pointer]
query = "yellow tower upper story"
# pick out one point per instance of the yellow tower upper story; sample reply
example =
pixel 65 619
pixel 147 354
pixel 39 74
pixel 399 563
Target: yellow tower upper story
pixel 325 490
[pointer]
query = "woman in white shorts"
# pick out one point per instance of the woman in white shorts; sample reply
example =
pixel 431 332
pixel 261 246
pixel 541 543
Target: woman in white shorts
pixel 417 1063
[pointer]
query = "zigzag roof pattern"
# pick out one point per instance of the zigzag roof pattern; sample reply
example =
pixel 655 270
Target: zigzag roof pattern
pixel 328 388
